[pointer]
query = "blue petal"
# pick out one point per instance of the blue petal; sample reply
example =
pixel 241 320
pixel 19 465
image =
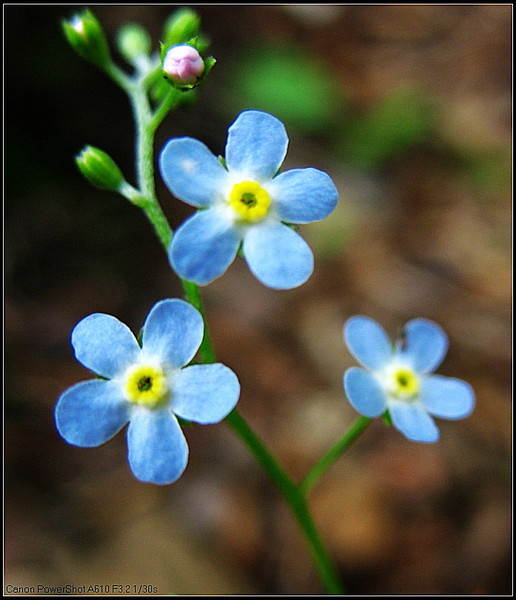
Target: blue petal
pixel 105 345
pixel 203 247
pixel 364 393
pixel 303 195
pixel 158 451
pixel 173 331
pixel 256 146
pixel 413 421
pixel 447 397
pixel 426 345
pixel 367 342
pixel 205 393
pixel 277 255
pixel 192 173
pixel 91 412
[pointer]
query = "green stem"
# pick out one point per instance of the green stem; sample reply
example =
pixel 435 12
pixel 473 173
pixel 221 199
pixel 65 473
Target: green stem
pixel 295 499
pixel 168 102
pixel 193 295
pixel 118 76
pixel 291 492
pixel 145 163
pixel 334 453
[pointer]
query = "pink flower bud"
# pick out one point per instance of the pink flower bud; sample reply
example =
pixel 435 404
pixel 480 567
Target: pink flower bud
pixel 183 64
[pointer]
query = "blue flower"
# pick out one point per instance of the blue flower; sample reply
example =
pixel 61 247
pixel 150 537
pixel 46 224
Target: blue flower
pixel 147 386
pixel 245 203
pixel 398 377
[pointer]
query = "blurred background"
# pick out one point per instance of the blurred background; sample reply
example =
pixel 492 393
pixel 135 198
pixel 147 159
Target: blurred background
pixel 408 108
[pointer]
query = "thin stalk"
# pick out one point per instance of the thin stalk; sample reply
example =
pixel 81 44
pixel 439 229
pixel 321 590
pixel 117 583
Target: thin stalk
pixel 145 163
pixel 118 76
pixel 294 498
pixel 168 102
pixel 334 453
pixel 293 494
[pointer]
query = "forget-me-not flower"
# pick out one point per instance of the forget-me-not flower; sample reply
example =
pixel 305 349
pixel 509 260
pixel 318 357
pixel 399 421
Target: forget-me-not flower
pixel 147 386
pixel 244 203
pixel 398 377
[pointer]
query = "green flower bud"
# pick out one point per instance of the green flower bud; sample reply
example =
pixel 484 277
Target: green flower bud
pixel 86 36
pixel 100 169
pixel 133 42
pixel 180 27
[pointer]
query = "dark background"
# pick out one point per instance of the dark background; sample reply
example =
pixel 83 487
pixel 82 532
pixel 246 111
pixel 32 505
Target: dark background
pixel 408 108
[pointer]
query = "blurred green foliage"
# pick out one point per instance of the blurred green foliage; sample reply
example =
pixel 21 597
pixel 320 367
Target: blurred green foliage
pixel 490 171
pixel 399 121
pixel 285 81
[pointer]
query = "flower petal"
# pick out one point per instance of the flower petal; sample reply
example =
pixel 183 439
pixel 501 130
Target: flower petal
pixel 204 246
pixel 367 342
pixel 191 171
pixel 426 345
pixel 447 397
pixel 158 451
pixel 277 255
pixel 104 344
pixel 364 393
pixel 303 195
pixel 173 331
pixel 256 145
pixel 91 413
pixel 413 421
pixel 205 393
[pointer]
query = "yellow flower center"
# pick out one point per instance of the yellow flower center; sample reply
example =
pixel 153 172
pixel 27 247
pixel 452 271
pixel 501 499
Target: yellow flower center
pixel 250 201
pixel 403 383
pixel 146 385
